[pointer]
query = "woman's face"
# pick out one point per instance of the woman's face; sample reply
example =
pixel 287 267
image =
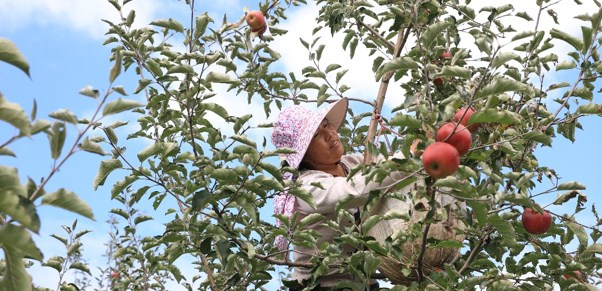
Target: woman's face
pixel 325 147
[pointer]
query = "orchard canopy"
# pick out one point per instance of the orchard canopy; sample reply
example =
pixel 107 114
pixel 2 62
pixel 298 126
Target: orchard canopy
pixel 191 137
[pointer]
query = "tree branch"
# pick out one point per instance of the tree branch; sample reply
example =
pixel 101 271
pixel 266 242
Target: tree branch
pixel 382 92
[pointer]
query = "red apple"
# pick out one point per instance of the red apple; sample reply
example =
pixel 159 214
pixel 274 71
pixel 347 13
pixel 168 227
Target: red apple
pixel 535 222
pixel 261 30
pixel 446 55
pixel 440 159
pixel 438 81
pixel 255 20
pixel 115 275
pixel 576 275
pixel 462 118
pixel 456 135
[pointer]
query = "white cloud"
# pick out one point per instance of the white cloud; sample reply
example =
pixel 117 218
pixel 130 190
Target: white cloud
pixel 359 77
pixel 84 16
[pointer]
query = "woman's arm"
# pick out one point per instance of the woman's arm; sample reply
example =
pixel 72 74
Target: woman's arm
pixel 328 190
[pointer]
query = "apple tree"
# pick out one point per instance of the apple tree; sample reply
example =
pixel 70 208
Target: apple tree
pixel 19 202
pixel 214 174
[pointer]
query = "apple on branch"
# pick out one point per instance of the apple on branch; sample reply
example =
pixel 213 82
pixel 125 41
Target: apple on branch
pixel 446 55
pixel 535 222
pixel 463 115
pixel 256 21
pixel 456 135
pixel 440 159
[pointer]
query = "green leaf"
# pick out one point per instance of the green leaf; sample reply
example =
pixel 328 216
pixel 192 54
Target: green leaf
pixel 580 233
pixel 54 262
pixel 169 24
pixel 216 108
pixel 69 201
pixel 5 151
pixel 89 91
pixel 399 64
pixel 566 197
pixel 142 84
pixel 539 136
pixel 566 65
pixel 573 185
pixel 119 186
pixel 155 149
pixel 20 240
pixel 80 265
pixel 568 38
pixel 14 202
pixel 199 199
pixel 9 53
pixel 503 58
pixel 433 32
pixel 15 276
pixel 116 69
pixel 120 105
pixel 311 219
pixel 404 120
pixel 504 227
pixel 120 90
pixel 215 77
pixel 141 219
pixel 120 212
pixel 522 35
pixel 502 85
pixel 92 147
pixel 332 67
pixel 225 175
pixel 56 137
pixel 106 167
pixel 493 115
pixel 245 140
pixel 455 71
pixel 14 115
pixel 370 222
pixel 593 249
pixel 182 69
pixel 590 108
pixel 64 115
pixel 479 209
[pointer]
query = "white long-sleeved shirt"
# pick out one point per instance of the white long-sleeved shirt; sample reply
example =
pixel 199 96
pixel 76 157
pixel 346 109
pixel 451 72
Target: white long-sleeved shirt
pixel 332 190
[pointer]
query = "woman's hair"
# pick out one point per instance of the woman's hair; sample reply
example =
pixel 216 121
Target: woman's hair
pixel 303 166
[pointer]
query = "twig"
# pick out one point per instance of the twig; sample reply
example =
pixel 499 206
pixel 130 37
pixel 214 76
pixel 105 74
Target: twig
pixel 382 92
pixel 475 251
pixel 209 272
pixel 389 44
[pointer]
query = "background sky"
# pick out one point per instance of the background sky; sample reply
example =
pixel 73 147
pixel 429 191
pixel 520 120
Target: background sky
pixel 62 40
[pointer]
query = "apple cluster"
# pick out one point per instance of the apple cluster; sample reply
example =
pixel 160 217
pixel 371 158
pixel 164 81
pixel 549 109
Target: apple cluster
pixel 453 140
pixel 256 22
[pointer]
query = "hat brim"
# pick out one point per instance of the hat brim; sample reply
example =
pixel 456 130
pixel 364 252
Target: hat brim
pixel 335 113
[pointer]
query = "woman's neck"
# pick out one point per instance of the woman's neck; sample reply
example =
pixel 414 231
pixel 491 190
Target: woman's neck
pixel 336 169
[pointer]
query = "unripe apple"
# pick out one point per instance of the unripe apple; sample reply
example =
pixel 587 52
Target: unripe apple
pixel 440 159
pixel 535 222
pixel 463 118
pixel 456 135
pixel 255 20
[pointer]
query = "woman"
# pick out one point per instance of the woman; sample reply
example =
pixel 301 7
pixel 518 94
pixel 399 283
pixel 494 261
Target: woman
pixel 321 161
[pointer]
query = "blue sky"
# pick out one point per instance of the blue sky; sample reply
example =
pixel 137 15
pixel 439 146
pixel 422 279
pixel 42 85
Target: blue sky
pixel 62 40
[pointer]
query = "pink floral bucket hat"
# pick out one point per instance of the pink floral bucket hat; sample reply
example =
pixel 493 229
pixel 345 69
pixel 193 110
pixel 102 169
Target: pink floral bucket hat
pixel 294 128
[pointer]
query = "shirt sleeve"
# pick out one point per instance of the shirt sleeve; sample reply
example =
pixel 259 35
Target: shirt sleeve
pixel 327 190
